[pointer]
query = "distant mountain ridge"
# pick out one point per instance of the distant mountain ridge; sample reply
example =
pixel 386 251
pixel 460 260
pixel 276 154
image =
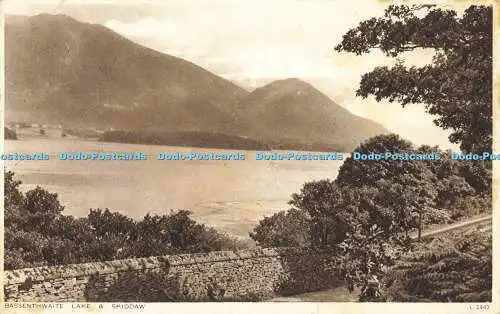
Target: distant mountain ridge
pixel 67 70
pixel 292 110
pixel 81 75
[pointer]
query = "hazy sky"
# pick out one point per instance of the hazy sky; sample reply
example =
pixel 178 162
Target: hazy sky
pixel 254 42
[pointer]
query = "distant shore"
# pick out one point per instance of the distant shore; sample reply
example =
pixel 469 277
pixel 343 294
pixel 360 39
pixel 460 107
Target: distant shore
pixel 191 139
pixel 211 140
pixel 9 134
pixel 180 139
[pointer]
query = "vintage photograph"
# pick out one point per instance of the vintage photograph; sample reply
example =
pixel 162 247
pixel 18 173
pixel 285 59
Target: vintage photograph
pixel 247 151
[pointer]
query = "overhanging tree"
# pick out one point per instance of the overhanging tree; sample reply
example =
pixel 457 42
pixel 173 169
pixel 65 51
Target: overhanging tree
pixel 456 87
pixel 324 202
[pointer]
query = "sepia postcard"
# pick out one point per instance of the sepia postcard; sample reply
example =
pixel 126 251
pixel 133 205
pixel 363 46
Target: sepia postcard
pixel 249 156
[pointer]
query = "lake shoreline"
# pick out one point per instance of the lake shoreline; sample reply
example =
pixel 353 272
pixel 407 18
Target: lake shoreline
pixel 209 140
pixel 231 196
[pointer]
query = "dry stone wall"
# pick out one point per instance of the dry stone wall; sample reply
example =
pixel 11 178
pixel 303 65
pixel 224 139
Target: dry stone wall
pixel 248 275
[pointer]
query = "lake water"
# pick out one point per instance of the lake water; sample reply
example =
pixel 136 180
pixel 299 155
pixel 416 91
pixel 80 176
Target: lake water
pixel 229 195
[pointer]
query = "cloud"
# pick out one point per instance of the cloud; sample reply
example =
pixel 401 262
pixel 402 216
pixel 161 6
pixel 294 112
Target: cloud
pixel 260 40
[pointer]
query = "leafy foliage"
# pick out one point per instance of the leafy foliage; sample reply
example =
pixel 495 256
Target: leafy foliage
pixel 367 173
pixel 315 219
pixel 393 198
pixel 399 191
pixel 323 201
pixel 283 229
pixel 454 268
pixel 456 87
pixel 370 210
pixel 12 195
pixel 38 234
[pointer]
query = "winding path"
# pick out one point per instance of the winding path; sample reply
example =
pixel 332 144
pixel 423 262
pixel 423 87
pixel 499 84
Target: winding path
pixel 341 294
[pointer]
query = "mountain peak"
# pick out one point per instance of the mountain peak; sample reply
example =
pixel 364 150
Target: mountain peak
pixel 44 18
pixel 85 71
pixel 291 82
pixel 288 86
pixel 294 110
pixel 57 16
